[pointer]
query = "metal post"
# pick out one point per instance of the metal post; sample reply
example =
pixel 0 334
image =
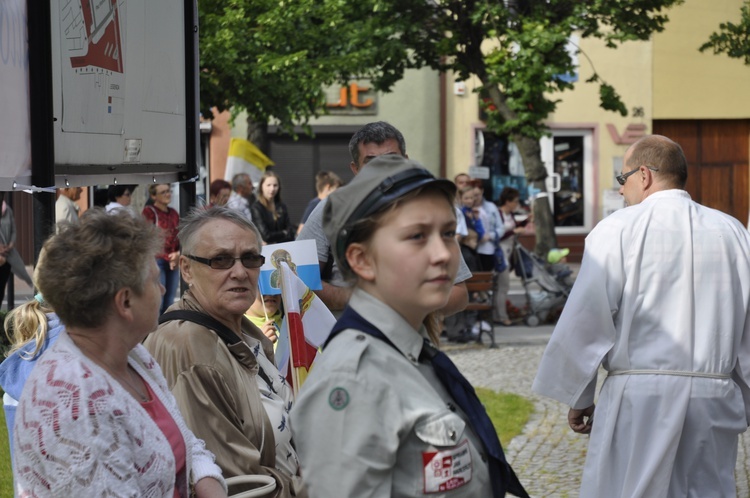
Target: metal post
pixel 42 130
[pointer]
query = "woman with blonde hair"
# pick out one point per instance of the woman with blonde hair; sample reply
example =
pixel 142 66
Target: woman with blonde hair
pixel 270 214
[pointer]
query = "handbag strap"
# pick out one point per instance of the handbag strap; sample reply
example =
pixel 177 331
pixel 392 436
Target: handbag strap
pixel 225 333
pixel 156 215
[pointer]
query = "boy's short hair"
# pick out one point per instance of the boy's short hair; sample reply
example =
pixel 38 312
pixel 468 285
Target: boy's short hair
pixel 327 179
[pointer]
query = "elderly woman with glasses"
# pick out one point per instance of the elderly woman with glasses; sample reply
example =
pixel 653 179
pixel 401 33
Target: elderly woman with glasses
pixel 219 366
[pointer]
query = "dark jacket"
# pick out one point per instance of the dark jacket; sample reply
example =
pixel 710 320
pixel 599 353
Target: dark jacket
pixel 273 230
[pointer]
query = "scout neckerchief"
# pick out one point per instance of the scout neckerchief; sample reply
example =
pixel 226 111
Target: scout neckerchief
pixel 503 478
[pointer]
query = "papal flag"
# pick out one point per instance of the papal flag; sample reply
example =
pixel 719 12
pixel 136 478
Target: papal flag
pixel 302 258
pixel 306 325
pixel 245 157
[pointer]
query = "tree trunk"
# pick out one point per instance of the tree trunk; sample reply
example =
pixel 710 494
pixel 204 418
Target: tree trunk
pixel 257 133
pixel 536 173
pixel 531 156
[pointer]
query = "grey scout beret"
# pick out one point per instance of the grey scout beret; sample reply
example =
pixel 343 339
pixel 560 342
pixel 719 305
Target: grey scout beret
pixel 378 184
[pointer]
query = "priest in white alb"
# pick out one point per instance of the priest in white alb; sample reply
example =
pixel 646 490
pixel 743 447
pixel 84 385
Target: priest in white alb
pixel 661 302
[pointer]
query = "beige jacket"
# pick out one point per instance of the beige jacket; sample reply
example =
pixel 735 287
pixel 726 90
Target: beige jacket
pixel 217 392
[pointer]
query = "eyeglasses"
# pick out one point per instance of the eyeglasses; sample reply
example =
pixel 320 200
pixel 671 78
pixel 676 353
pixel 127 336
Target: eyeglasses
pixel 164 192
pixel 622 177
pixel 224 262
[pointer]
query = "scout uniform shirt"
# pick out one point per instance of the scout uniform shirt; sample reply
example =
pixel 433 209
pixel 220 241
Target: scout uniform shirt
pixel 371 420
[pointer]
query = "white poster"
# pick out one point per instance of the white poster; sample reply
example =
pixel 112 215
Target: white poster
pixel 92 66
pixel 15 138
pixel 119 88
pixel 612 201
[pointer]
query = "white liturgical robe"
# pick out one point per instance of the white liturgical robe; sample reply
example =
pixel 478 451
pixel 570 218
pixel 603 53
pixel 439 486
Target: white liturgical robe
pixel 661 302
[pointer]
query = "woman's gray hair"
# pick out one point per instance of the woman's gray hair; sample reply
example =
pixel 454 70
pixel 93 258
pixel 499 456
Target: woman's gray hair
pixel 88 262
pixel 194 221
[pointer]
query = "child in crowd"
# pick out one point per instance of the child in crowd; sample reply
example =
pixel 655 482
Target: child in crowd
pixel 32 327
pixel 325 183
pixel 265 313
pixel 383 412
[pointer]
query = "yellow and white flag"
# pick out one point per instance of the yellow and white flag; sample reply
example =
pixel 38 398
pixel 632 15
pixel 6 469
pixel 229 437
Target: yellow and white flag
pixel 245 157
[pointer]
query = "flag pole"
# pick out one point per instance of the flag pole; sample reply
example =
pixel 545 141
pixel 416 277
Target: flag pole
pixel 292 311
pixel 263 302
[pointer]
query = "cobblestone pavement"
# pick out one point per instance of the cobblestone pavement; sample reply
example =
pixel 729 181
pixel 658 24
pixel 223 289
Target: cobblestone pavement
pixel 547 456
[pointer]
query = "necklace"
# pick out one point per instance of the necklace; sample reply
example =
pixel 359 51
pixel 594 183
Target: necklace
pixel 121 378
pixel 143 396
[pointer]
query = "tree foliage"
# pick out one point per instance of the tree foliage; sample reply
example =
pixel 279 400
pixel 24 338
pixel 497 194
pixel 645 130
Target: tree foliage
pixel 273 58
pixel 732 39
pixel 517 50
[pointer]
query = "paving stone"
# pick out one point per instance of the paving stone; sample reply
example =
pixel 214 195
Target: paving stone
pixel 547 456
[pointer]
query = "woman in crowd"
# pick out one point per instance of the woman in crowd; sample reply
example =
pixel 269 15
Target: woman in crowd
pixel 101 278
pixel 373 417
pixel 219 365
pixel 119 197
pixel 508 203
pixel 493 226
pixel 475 229
pixel 219 192
pixel 270 215
pixel 10 259
pixel 160 214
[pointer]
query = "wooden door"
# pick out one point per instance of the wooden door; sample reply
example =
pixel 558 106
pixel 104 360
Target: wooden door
pixel 718 167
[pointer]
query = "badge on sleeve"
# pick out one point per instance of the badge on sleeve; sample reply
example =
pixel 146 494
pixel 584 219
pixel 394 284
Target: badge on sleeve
pixel 338 399
pixel 447 469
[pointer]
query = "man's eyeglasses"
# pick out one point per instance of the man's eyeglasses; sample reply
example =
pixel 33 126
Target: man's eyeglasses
pixel 224 262
pixel 622 177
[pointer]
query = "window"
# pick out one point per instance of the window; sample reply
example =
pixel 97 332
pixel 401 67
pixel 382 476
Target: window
pixel 568 157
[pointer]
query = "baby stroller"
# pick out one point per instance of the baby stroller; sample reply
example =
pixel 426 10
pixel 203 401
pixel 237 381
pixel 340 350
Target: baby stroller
pixel 547 286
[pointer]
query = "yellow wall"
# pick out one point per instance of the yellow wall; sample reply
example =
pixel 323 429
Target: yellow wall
pixel 689 84
pixel 627 68
pixel 462 118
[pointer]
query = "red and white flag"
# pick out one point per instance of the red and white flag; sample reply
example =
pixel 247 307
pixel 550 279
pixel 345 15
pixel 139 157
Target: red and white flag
pixel 305 327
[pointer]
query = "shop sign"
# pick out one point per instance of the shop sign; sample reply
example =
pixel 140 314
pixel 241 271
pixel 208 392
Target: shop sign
pixel 357 98
pixel 633 132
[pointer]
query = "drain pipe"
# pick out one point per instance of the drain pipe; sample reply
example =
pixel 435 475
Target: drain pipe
pixel 443 124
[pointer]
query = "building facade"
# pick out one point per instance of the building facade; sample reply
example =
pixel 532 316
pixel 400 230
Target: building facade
pixel 412 107
pixel 669 87
pixel 698 99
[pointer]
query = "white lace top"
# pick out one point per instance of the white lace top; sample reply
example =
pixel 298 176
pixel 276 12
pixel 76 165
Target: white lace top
pixel 79 433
